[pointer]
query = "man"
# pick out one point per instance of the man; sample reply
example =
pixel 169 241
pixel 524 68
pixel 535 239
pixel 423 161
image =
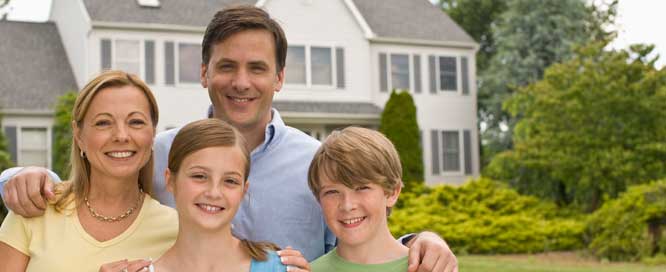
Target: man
pixel 243 59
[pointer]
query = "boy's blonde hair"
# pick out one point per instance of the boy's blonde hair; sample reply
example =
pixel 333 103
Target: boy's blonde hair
pixel 356 156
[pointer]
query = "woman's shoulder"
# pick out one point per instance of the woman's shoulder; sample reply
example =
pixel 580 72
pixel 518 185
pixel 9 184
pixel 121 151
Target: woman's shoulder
pixel 271 264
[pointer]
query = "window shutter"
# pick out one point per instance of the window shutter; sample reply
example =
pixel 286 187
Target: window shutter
pixel 10 133
pixel 383 80
pixel 105 46
pixel 417 73
pixel 340 66
pixel 432 67
pixel 434 143
pixel 465 75
pixel 149 48
pixel 467 146
pixel 169 64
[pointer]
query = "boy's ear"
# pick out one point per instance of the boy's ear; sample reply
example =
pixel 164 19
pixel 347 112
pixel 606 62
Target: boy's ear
pixel 245 186
pixel 168 179
pixel 393 197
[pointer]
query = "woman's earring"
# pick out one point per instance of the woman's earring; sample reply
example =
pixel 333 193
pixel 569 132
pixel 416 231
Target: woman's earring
pixel 82 154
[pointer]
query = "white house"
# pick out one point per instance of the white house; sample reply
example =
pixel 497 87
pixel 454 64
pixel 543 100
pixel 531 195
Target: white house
pixel 344 57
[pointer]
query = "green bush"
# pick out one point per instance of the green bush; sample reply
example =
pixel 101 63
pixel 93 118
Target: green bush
pixel 620 230
pixel 62 133
pixel 484 216
pixel 400 126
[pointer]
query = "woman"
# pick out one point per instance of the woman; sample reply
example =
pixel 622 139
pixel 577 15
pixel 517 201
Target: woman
pixel 105 211
pixel 207 173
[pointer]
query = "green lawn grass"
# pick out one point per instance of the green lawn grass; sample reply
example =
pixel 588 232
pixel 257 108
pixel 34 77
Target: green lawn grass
pixel 560 262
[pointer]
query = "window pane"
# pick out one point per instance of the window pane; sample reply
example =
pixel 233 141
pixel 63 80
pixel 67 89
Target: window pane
pixel 295 67
pixel 34 158
pixel 447 74
pixel 169 64
pixel 189 63
pixel 33 138
pixel 400 72
pixel 33 147
pixel 451 150
pixel 126 56
pixel 322 67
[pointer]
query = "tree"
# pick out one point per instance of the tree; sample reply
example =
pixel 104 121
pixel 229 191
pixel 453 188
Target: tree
pixel 529 37
pixel 5 162
pixel 593 126
pixel 62 133
pixel 476 17
pixel 4 9
pixel 398 123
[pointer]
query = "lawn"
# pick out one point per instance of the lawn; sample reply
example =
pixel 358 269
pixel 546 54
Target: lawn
pixel 549 262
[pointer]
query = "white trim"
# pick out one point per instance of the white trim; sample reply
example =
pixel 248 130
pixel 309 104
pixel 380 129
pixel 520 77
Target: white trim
pixel 84 11
pixel 148 27
pixel 403 41
pixel 26 112
pixel 330 118
pixel 367 31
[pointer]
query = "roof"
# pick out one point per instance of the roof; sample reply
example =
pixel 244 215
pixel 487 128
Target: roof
pixel 34 65
pixel 328 107
pixel 410 19
pixel 402 19
pixel 170 12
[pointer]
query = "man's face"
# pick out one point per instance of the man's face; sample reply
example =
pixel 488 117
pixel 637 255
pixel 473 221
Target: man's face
pixel 241 79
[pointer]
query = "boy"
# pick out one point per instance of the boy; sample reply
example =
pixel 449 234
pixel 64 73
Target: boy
pixel 356 177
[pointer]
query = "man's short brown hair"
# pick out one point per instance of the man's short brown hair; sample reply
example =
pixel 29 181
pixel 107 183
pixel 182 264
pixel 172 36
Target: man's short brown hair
pixel 236 19
pixel 356 156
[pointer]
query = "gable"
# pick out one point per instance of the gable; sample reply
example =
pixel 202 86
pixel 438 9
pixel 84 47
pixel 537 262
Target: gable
pixel 410 20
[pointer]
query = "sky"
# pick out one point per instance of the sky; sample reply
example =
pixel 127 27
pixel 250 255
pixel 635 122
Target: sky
pixel 638 21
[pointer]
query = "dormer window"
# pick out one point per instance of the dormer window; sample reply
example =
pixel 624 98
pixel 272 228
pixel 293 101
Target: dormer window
pixel 149 3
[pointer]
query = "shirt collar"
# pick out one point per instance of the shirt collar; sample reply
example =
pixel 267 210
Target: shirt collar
pixel 273 133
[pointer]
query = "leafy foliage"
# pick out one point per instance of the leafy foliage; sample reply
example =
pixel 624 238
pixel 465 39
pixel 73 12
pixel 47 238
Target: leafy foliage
pixel 5 162
pixel 484 216
pixel 530 36
pixel 591 127
pixel 620 230
pixel 399 124
pixel 476 17
pixel 62 131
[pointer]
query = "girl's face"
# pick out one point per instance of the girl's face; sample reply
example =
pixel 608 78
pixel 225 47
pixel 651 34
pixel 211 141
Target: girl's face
pixel 209 187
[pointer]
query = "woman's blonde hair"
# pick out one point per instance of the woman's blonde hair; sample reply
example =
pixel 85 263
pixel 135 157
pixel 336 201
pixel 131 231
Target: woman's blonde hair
pixel 79 177
pixel 207 133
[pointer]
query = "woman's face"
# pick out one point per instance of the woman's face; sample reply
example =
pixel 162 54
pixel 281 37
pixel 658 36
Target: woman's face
pixel 117 133
pixel 209 187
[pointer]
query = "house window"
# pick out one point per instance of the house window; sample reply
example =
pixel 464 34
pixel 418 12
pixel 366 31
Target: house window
pixel 447 74
pixel 127 56
pixel 33 149
pixel 132 56
pixel 400 71
pixel 443 74
pixel 322 65
pixel 189 63
pixel 295 70
pixel 450 151
pixel 315 66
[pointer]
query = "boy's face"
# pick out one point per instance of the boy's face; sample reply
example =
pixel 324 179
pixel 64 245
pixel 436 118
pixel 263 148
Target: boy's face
pixel 355 215
pixel 241 79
